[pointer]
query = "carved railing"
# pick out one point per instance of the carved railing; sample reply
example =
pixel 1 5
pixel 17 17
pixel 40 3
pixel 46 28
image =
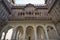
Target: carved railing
pixel 30 15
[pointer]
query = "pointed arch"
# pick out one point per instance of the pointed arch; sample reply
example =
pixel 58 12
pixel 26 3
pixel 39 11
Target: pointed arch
pixel 29 33
pixel 40 33
pixel 51 33
pixel 19 33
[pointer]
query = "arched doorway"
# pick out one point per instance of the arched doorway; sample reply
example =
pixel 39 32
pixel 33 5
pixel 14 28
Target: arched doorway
pixel 40 33
pixel 29 33
pixel 51 33
pixel 19 33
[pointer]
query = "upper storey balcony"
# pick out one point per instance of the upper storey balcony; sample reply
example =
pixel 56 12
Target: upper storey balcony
pixel 30 11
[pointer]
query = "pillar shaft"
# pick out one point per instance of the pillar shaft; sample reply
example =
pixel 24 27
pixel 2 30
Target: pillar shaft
pixel 0 35
pixel 35 34
pixel 46 33
pixel 4 36
pixel 13 34
pixel 24 34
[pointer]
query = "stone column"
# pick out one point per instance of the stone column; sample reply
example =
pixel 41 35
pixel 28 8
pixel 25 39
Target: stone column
pixel 0 35
pixel 1 32
pixel 24 34
pixel 57 36
pixel 46 33
pixel 13 34
pixel 5 35
pixel 35 33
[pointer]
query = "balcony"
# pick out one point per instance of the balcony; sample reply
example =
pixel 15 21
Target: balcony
pixel 29 15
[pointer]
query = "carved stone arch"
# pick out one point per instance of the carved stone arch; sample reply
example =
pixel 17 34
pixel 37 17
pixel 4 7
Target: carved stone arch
pixel 9 27
pixel 51 33
pixel 19 27
pixel 29 33
pixel 6 28
pixel 40 26
pixel 40 33
pixel 5 31
pixel 49 28
pixel 19 33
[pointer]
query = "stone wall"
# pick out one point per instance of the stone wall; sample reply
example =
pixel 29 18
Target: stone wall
pixel 55 14
pixel 3 15
pixel 58 28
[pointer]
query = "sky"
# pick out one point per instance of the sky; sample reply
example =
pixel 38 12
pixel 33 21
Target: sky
pixel 30 1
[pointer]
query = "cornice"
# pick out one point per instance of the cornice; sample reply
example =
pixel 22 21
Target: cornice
pixel 29 5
